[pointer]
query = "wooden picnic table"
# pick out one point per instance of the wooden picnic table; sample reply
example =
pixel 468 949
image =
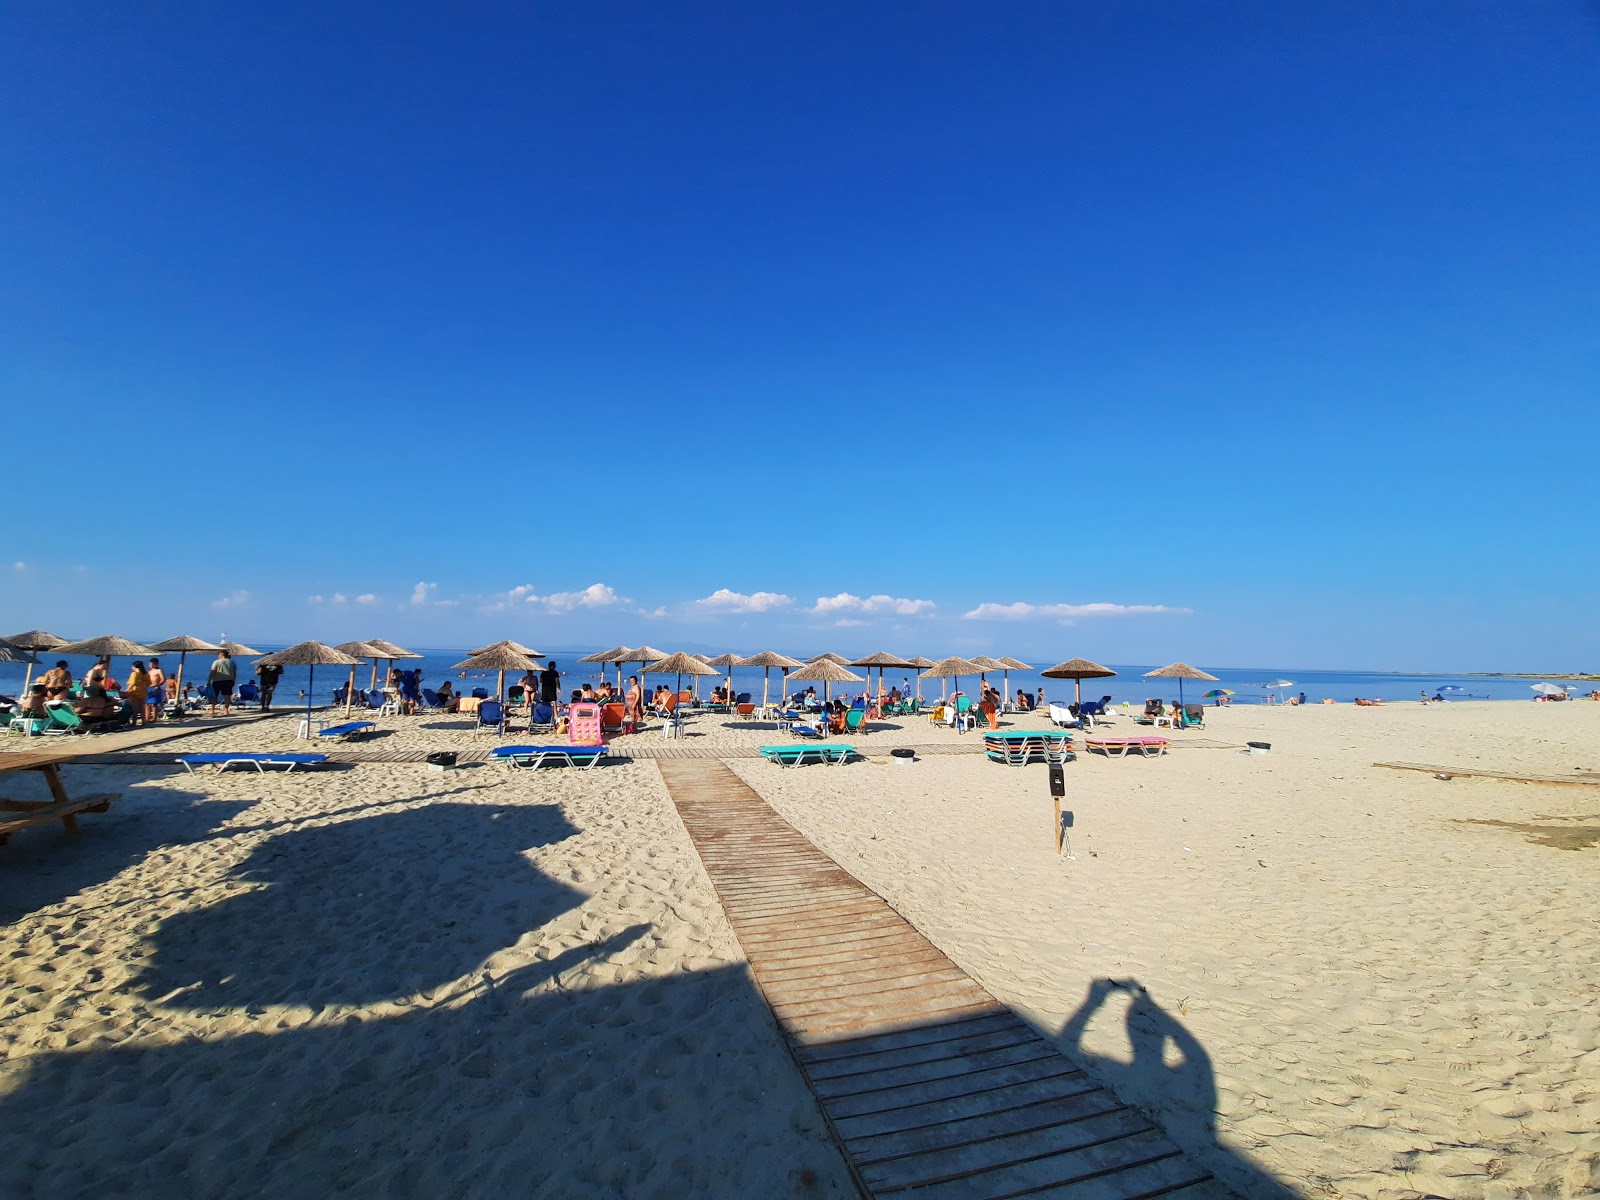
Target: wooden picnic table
pixel 61 807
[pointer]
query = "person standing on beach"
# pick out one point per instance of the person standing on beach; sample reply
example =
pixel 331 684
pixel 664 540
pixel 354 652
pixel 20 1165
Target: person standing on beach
pixel 137 689
pixel 157 695
pixel 549 685
pixel 223 675
pixel 268 674
pixel 633 706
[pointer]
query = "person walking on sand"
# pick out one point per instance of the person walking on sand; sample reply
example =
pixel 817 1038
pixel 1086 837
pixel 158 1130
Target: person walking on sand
pixel 268 674
pixel 137 689
pixel 223 675
pixel 633 706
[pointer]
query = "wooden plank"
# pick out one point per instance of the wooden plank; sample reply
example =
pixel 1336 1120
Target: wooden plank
pixel 1585 780
pixel 929 1084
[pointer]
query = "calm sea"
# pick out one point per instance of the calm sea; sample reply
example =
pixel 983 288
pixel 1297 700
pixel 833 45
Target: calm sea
pixel 1247 683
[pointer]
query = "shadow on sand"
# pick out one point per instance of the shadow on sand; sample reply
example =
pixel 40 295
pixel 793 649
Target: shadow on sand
pixel 1168 1076
pixel 392 1062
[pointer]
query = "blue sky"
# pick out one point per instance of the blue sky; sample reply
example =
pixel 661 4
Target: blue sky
pixel 1240 333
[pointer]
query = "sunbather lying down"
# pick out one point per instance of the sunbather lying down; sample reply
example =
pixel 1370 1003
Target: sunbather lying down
pixel 1368 703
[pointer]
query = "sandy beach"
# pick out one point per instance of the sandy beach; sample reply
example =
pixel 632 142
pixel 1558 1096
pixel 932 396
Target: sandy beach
pixel 485 982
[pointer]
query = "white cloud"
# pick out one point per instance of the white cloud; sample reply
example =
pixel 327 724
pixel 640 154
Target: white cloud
pixel 848 623
pixel 232 600
pixel 659 611
pixel 318 599
pixel 1067 614
pixel 19 566
pixel 364 598
pixel 844 602
pixel 596 595
pixel 420 593
pixel 339 597
pixel 725 600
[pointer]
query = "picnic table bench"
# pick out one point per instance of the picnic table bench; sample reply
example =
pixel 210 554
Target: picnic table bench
pixel 795 754
pixel 227 758
pixel 348 729
pixel 537 756
pixel 1119 746
pixel 1018 747
pixel 21 814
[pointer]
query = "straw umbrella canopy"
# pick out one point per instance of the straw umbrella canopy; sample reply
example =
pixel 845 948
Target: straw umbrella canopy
pixel 837 659
pixel 829 672
pixel 517 646
pixel 182 645
pixel 766 660
pixel 1010 665
pixel 107 646
pixel 644 656
pixel 613 655
pixel 309 654
pixel 681 664
pixel 34 641
pixel 1077 670
pixel 15 654
pixel 953 668
pixel 921 664
pixel 729 661
pixel 1179 671
pixel 372 650
pixel 501 657
pixel 389 651
pixel 880 660
pixel 239 649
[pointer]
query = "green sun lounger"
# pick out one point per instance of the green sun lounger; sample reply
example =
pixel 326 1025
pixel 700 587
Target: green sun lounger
pixel 794 755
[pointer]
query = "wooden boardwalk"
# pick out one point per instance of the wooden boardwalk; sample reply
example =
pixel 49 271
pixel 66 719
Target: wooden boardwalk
pixel 933 1088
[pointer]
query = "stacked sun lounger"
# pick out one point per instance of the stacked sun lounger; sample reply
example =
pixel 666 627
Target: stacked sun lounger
pixel 1018 747
pixel 1149 747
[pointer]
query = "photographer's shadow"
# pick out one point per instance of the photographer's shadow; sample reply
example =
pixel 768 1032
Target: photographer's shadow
pixel 1169 1077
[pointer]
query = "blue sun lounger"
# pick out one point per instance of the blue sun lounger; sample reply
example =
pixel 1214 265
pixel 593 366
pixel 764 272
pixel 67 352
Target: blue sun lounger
pixel 537 756
pixel 795 754
pixel 227 758
pixel 348 729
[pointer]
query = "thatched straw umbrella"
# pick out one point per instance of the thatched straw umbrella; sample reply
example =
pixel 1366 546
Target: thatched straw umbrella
pixel 501 657
pixel 239 649
pixel 952 668
pixel 730 661
pixel 182 645
pixel 309 654
pixel 880 660
pixel 766 660
pixel 34 640
pixel 829 672
pixel 644 656
pixel 837 659
pixel 107 646
pixel 921 664
pixel 681 664
pixel 1010 665
pixel 1077 670
pixel 616 654
pixel 372 650
pixel 1179 671
pixel 517 646
pixel 15 654
pixel 389 651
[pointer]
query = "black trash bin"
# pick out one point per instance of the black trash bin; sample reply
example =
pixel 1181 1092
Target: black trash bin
pixel 442 758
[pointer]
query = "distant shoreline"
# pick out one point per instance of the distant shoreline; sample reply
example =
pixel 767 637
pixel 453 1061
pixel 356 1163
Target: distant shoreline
pixel 1525 675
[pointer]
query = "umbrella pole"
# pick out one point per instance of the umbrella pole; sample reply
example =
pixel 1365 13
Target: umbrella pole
pixel 182 654
pixel 1077 691
pixel 310 687
pixel 27 677
pixel 766 682
pixel 350 689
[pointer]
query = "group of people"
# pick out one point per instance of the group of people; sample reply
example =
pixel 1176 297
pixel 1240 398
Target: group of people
pixel 147 693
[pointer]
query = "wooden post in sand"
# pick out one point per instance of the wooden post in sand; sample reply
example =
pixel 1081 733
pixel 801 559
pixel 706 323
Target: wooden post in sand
pixel 1058 824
